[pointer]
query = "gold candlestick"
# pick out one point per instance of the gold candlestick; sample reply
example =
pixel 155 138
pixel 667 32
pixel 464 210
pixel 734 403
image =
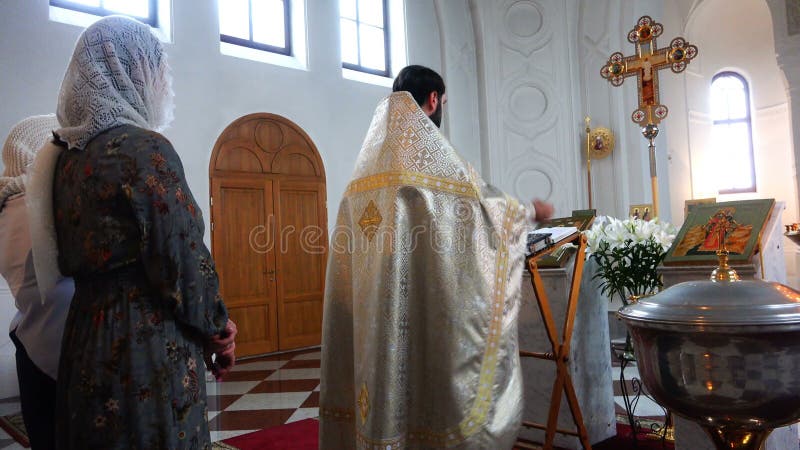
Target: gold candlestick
pixel 588 121
pixel 599 144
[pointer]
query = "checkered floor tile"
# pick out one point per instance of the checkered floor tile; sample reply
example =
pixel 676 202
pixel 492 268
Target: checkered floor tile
pixel 9 406
pixel 264 392
pixel 272 390
pixel 259 393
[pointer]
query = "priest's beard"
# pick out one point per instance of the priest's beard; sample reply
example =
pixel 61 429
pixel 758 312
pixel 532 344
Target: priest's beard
pixel 436 117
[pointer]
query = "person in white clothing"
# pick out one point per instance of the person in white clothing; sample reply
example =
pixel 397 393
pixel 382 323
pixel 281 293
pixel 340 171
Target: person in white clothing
pixel 37 328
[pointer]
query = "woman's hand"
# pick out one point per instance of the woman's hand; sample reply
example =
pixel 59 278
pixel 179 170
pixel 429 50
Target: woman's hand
pixel 223 346
pixel 225 340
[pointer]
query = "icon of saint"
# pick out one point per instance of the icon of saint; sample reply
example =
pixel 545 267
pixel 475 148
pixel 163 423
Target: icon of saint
pixel 598 143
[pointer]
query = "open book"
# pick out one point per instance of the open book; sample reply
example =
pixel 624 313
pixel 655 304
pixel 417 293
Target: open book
pixel 557 234
pixel 581 219
pixel 543 238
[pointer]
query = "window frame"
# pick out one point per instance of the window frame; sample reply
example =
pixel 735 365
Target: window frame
pixel 250 43
pixel 387 47
pixel 748 120
pixel 152 19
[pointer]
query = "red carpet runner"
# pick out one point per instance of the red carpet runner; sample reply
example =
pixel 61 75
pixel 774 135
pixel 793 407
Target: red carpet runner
pixel 300 435
pixel 303 435
pixel 624 441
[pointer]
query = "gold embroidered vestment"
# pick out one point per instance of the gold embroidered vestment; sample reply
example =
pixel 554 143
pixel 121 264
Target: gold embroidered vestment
pixel 422 296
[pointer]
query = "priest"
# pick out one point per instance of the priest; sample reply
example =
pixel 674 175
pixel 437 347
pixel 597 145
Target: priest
pixel 423 285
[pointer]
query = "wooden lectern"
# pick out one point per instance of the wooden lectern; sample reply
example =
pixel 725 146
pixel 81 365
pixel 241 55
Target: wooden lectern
pixel 560 347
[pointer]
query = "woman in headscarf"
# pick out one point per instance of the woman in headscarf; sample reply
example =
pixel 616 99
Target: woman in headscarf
pixel 38 325
pixel 131 235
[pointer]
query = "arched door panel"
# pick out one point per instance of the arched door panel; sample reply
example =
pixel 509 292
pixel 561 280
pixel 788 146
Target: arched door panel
pixel 269 232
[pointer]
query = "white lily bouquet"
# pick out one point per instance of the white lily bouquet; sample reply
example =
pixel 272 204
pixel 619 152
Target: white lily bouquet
pixel 628 253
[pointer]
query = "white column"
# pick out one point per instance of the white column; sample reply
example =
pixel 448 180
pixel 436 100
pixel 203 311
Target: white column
pixel 786 27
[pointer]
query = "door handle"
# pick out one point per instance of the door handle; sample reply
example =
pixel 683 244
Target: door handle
pixel 271 274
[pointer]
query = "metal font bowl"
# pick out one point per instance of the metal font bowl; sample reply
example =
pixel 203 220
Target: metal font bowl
pixel 723 354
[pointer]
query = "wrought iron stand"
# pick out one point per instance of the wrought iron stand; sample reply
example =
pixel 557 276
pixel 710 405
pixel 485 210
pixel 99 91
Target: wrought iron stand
pixel 631 399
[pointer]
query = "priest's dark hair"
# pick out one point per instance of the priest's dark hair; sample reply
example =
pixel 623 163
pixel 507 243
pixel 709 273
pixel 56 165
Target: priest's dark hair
pixel 419 81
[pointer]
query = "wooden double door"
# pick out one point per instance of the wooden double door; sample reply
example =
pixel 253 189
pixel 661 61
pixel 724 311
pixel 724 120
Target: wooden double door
pixel 269 232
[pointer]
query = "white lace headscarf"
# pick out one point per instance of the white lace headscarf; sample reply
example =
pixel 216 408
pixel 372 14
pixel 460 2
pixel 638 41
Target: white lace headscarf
pixel 118 75
pixel 19 150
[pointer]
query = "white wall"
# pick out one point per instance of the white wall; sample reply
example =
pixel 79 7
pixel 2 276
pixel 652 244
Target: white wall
pixel 734 36
pixel 517 91
pixel 516 98
pixel 461 121
pixel 212 89
pixel 516 101
pixel 786 30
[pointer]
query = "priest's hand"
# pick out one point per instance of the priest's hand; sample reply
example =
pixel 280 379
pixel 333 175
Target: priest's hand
pixel 544 210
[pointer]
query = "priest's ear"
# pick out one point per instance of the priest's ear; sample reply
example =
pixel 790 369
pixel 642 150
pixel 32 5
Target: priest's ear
pixel 431 103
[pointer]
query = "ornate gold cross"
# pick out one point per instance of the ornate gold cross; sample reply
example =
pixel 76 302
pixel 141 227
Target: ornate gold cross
pixel 645 64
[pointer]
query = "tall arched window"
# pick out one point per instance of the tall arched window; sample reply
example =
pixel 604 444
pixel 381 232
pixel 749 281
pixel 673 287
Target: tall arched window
pixel 732 135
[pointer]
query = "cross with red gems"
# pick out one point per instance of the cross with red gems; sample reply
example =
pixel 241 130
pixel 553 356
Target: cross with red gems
pixel 645 64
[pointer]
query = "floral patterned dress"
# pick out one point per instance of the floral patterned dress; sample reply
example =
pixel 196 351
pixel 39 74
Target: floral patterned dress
pixel 146 297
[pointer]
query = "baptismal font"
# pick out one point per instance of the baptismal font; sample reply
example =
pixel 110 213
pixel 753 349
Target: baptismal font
pixel 723 353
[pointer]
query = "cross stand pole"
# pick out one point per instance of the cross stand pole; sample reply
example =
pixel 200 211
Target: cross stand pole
pixel 650 132
pixel 588 160
pixel 560 346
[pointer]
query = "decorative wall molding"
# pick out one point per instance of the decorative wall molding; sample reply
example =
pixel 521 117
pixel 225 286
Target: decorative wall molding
pixel 527 92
